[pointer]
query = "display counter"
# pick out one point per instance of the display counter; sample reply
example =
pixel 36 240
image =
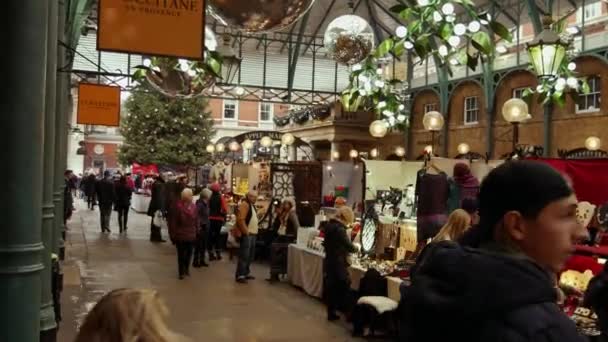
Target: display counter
pixel 140 202
pixel 305 270
pixel 400 234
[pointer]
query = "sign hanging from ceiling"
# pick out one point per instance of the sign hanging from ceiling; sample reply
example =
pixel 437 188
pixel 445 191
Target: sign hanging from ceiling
pixel 172 28
pixel 98 105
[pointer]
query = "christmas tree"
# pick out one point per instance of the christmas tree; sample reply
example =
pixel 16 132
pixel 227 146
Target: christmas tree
pixel 163 130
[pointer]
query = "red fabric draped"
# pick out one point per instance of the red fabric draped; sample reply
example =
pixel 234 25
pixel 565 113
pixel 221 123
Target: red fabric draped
pixel 589 177
pixel 144 169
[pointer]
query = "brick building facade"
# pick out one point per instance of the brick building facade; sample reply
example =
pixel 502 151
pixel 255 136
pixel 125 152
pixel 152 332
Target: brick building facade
pixel 570 124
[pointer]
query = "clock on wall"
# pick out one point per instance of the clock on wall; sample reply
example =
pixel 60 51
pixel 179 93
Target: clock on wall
pixel 99 149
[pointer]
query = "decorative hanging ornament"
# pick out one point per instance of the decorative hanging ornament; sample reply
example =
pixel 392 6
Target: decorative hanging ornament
pixel 349 39
pixel 258 15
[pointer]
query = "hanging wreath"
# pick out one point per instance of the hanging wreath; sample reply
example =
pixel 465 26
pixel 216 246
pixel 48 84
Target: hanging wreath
pixel 301 116
pixel 282 121
pixel 320 112
pixel 180 78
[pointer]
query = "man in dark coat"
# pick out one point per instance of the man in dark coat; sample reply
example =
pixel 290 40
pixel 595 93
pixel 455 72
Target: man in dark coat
pixel 506 289
pixel 68 200
pixel 157 203
pixel 89 190
pixel 106 196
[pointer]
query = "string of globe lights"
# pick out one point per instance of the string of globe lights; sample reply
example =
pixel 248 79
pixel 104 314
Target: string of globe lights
pixel 221 151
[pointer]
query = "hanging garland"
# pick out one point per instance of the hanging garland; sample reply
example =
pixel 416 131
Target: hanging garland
pixel 180 78
pixel 432 30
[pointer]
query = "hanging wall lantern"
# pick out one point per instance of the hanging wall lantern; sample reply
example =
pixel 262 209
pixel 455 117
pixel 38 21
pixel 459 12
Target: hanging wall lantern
pixel 547 51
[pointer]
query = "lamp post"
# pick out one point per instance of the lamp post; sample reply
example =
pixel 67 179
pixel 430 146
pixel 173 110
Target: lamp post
pixel 377 129
pixel 433 122
pixel 247 146
pixel 515 111
pixel 288 140
pixel 547 52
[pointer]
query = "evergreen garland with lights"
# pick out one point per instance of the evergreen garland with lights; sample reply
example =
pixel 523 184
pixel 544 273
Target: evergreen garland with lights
pixel 163 130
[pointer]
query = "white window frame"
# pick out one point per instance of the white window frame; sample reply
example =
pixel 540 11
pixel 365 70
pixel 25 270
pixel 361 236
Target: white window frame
pixel 593 91
pixel 595 10
pixel 236 110
pixel 429 107
pixel 466 111
pixel 270 114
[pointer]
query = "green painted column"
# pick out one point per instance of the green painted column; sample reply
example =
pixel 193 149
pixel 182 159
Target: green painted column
pixel 48 325
pixel 547 129
pixel 59 128
pixel 23 66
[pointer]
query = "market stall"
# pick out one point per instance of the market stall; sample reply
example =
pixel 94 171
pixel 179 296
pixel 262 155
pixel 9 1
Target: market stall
pixel 342 179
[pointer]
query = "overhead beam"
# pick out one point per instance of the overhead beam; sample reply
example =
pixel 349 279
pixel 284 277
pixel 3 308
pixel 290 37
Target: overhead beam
pixel 374 22
pixel 290 33
pixel 316 31
pixel 389 13
pixel 507 14
pixel 296 53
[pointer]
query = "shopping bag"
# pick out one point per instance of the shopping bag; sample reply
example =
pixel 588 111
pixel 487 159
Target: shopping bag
pixel 159 220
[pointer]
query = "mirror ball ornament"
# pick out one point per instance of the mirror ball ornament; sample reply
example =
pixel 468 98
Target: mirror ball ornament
pixel 349 39
pixel 259 15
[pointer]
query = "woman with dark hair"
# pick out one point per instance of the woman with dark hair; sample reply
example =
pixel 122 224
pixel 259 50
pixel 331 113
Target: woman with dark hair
pixel 505 290
pixel 217 217
pixel 287 225
pixel 123 202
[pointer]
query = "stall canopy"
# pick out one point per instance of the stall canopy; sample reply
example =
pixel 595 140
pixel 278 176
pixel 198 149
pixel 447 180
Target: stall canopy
pixel 144 169
pixel 589 177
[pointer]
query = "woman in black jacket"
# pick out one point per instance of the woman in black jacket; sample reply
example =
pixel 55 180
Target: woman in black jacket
pixel 123 202
pixel 338 246
pixel 157 203
pixel 504 290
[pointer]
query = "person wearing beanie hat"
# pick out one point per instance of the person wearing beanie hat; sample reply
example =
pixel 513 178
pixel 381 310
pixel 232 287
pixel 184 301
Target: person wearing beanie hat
pixel 505 289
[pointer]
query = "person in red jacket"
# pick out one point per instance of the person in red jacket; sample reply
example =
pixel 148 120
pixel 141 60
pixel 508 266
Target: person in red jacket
pixel 217 217
pixel 182 230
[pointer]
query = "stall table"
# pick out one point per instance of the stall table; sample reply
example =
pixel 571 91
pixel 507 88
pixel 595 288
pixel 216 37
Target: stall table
pixel 600 251
pixel 305 269
pixel 140 202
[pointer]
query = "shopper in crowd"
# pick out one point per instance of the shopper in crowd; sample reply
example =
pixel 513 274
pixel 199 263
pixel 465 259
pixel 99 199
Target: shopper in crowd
pixel 596 297
pixel 139 180
pixel 471 206
pixel 128 315
pixel 123 202
pixel 130 181
pixel 90 190
pixel 106 196
pixel 458 222
pixel 247 231
pixel 217 217
pixel 505 290
pixel 182 230
pixel 68 200
pixel 157 207
pixel 338 246
pixel 287 229
pixel 465 186
pixel 202 234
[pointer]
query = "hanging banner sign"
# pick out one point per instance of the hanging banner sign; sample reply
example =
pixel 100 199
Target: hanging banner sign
pixel 172 28
pixel 98 105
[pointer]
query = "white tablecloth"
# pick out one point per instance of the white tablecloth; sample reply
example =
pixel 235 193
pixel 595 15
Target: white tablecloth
pixel 140 203
pixel 305 269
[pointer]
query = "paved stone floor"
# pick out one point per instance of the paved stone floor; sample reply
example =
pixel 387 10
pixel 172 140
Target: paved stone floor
pixel 208 306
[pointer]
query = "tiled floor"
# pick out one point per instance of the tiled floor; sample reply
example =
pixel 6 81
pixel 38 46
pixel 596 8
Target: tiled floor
pixel 209 306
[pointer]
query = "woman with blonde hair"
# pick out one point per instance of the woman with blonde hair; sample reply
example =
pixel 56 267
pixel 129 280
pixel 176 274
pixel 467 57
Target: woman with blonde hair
pixel 127 315
pixel 458 223
pixel 335 265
